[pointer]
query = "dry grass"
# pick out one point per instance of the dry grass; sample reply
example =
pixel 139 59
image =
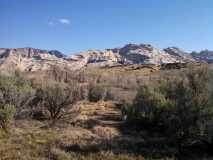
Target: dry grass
pixel 62 155
pixel 30 142
pixel 33 140
pixel 25 143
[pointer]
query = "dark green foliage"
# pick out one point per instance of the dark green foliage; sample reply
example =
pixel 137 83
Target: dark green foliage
pixel 183 106
pixel 149 104
pixel 188 114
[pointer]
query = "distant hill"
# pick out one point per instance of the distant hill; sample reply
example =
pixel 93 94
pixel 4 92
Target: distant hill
pixel 30 59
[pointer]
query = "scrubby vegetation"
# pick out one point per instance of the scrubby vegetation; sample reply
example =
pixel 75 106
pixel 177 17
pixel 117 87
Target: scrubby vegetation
pixel 17 91
pixel 96 93
pixel 99 92
pixel 56 100
pixel 180 109
pixel 171 116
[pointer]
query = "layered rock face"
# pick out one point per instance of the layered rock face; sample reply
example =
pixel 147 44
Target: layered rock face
pixel 132 54
pixel 179 54
pixel 31 60
pixel 147 54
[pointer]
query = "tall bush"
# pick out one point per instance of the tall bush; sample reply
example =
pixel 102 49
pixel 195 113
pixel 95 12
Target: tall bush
pixel 183 106
pixel 15 90
pixel 57 100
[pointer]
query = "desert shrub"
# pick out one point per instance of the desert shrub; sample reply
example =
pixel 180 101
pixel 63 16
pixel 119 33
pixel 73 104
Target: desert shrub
pixel 188 114
pixel 15 90
pixel 149 104
pixel 6 116
pixel 147 110
pixel 96 93
pixel 57 100
pixel 183 106
pixel 99 92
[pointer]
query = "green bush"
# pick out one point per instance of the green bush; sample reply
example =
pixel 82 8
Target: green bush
pixel 6 116
pixel 183 106
pixel 15 90
pixel 149 104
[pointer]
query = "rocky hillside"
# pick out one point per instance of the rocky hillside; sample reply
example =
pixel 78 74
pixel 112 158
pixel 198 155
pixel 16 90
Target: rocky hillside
pixel 179 54
pixel 203 56
pixel 30 59
pixel 133 54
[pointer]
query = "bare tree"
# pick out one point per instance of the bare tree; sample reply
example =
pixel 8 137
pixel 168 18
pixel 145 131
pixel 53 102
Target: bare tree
pixel 58 100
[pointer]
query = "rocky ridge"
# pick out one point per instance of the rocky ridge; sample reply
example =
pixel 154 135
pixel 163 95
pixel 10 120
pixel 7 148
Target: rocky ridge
pixel 31 60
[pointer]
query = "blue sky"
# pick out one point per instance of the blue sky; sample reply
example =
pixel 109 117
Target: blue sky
pixel 75 25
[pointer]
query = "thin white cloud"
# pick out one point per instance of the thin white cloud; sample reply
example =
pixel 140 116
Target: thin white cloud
pixel 51 23
pixel 64 21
